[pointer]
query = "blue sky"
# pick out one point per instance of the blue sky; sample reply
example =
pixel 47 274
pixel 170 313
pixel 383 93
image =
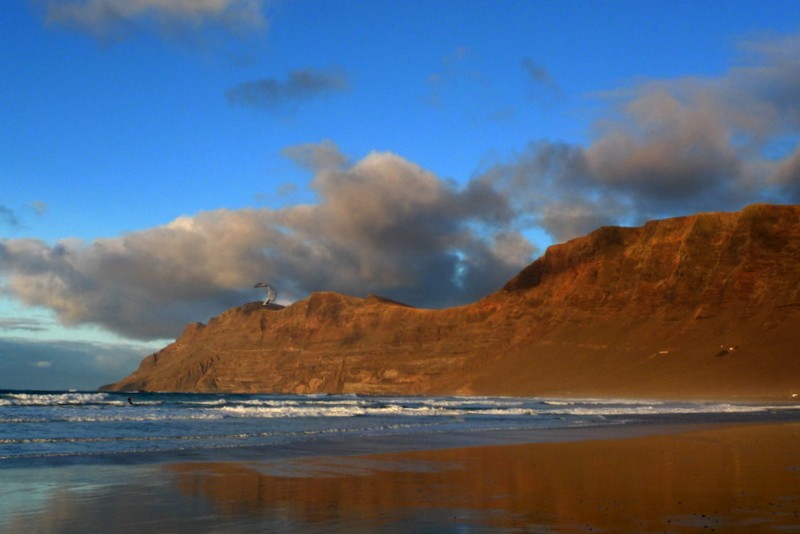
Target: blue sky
pixel 159 157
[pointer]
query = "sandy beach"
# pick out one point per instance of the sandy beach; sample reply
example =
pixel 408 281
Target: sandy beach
pixel 743 478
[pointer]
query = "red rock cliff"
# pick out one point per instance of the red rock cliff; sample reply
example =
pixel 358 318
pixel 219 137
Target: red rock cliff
pixel 700 306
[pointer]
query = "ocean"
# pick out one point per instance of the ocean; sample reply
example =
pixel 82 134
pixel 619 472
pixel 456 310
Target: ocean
pixel 84 461
pixel 67 427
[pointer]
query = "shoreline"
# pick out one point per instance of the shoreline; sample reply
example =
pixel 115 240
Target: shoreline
pixel 732 477
pixel 344 445
pixel 340 442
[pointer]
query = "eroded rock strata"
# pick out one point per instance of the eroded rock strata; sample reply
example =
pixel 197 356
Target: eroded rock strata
pixel 705 306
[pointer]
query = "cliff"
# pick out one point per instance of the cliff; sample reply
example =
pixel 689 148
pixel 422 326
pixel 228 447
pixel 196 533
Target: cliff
pixel 705 306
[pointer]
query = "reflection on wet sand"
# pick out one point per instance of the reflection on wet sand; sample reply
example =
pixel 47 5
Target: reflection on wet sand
pixel 724 479
pixel 739 479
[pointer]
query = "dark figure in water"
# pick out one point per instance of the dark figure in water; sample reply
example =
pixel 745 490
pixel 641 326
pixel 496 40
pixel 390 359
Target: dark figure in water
pixel 130 401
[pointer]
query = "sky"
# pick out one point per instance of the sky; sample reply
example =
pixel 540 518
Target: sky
pixel 160 157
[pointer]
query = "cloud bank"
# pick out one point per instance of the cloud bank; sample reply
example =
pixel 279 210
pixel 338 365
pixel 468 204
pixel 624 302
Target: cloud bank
pixel 385 225
pixel 26 364
pixel 670 147
pixel 382 225
pixel 114 19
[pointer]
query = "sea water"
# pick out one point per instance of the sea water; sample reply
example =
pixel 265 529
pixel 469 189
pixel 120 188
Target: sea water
pixel 52 428
pixel 75 461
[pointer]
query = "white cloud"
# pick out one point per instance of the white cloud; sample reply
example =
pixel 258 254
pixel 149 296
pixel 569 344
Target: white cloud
pixel 383 225
pixel 670 147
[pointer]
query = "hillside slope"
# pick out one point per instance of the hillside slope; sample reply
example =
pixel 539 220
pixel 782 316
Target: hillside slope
pixel 705 306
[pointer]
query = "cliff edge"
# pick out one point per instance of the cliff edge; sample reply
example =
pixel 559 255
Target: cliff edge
pixel 704 306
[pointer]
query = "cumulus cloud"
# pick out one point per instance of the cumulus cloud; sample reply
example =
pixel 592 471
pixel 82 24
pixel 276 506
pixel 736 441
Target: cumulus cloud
pixel 382 225
pixel 670 147
pixel 666 151
pixel 323 156
pixel 114 19
pixel 272 94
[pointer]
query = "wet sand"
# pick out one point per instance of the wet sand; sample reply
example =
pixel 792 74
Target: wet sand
pixel 743 478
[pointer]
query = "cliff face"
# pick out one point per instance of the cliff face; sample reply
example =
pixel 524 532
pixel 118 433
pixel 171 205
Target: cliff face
pixel 700 306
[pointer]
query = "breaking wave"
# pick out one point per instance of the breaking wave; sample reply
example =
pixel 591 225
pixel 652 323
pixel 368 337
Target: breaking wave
pixel 74 424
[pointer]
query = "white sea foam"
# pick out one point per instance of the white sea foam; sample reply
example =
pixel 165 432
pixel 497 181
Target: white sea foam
pixel 337 410
pixel 215 402
pixel 130 417
pixel 56 399
pixel 662 409
pixel 289 411
pixel 42 424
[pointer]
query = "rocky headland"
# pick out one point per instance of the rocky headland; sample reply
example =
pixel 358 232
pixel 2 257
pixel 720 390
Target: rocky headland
pixel 704 306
